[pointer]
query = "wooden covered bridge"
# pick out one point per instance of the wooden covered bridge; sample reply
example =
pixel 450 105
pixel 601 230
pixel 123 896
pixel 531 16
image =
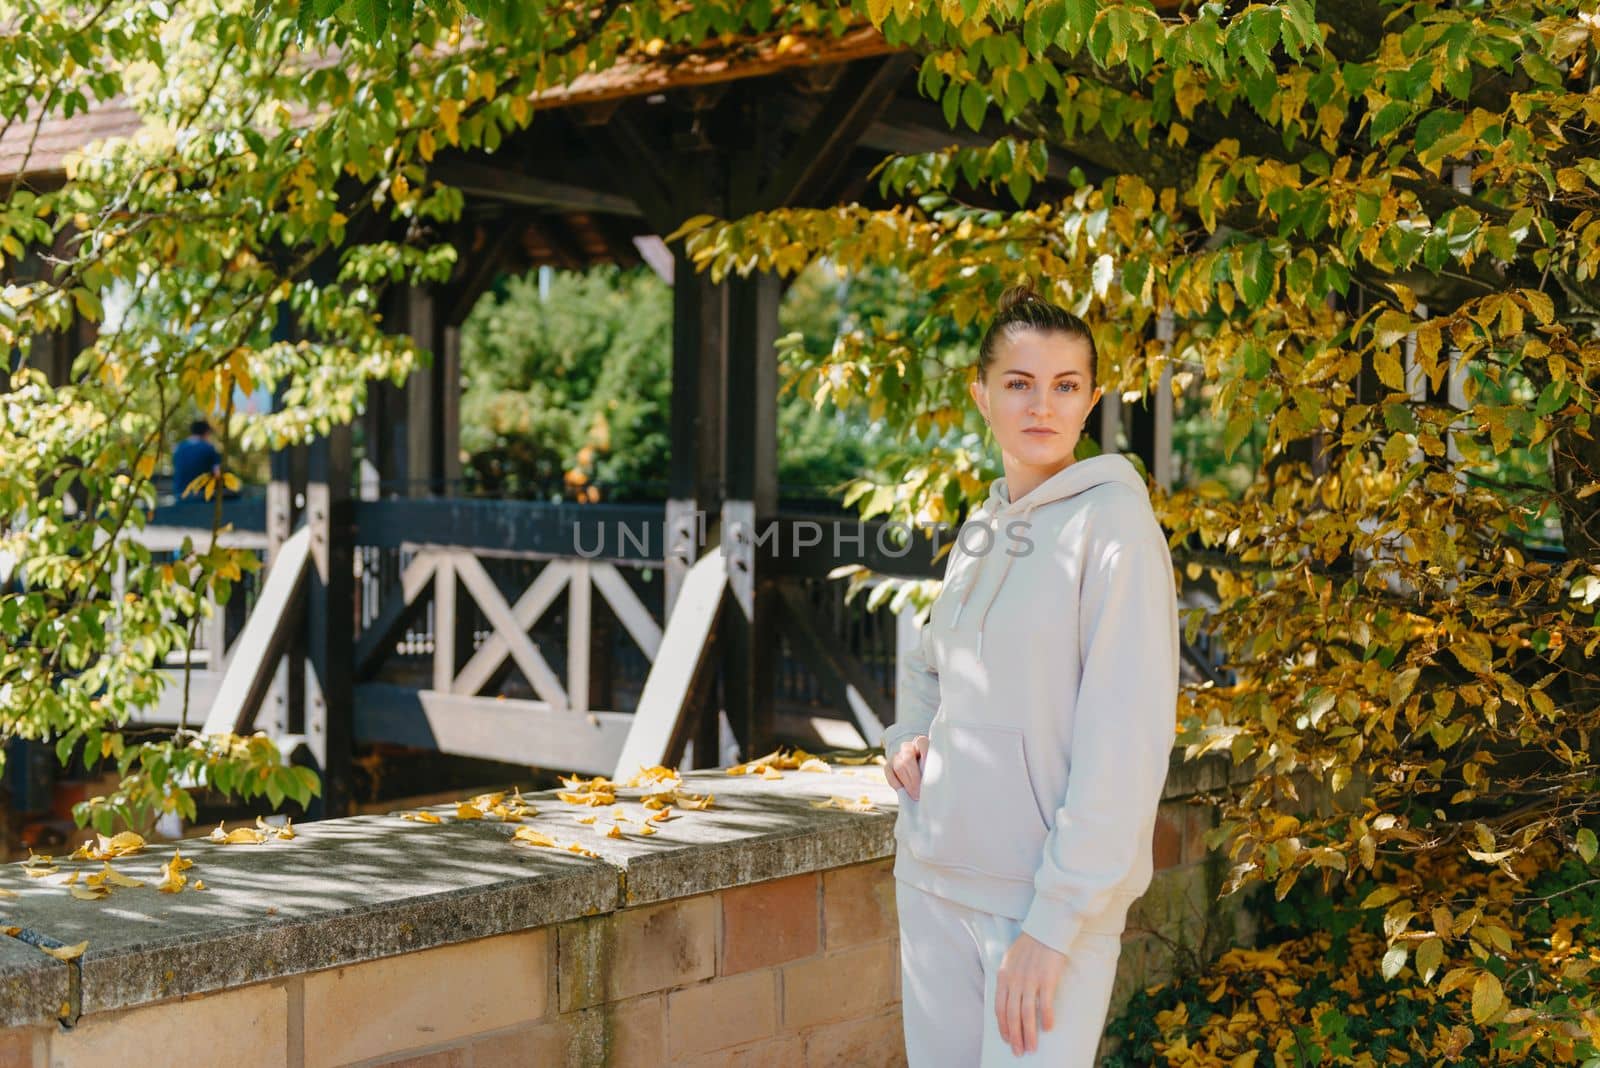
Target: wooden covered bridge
pixel 393 610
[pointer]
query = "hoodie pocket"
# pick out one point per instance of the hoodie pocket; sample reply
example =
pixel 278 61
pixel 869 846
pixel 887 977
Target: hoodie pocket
pixel 977 809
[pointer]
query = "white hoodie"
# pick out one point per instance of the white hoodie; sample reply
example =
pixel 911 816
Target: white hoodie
pixel 1046 680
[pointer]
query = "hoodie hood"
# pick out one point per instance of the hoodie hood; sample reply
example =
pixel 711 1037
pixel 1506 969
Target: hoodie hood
pixel 999 511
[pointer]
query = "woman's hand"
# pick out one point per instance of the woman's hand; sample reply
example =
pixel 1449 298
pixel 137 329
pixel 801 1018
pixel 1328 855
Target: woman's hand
pixel 904 767
pixel 1025 992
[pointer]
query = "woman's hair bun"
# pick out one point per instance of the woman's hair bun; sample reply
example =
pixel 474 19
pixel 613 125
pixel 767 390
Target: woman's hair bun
pixel 1018 294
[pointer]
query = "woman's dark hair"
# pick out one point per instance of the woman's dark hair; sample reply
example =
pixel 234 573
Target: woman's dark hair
pixel 1022 308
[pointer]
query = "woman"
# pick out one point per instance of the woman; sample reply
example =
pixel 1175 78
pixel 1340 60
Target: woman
pixel 1041 714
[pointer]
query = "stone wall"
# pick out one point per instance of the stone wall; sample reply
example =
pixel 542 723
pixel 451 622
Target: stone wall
pixel 760 931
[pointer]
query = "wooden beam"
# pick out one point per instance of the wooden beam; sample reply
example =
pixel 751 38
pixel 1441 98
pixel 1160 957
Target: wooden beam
pixel 510 730
pixel 675 688
pixel 276 616
pixel 485 266
pixel 549 233
pixel 485 663
pixel 488 181
pixel 330 604
pixel 632 613
pixel 849 685
pixel 619 532
pixel 527 656
pixel 640 171
pixel 815 160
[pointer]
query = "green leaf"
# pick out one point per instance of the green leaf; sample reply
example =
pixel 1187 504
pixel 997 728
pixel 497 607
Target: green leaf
pixel 974 102
pixel 1587 845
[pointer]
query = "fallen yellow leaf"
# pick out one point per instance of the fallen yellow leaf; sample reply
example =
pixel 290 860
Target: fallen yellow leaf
pixel 660 800
pixel 770 773
pixel 66 952
pixel 90 893
pixel 656 773
pixel 72 878
pixel 421 817
pixel 595 798
pixel 103 848
pixel 40 873
pixel 532 837
pixel 465 811
pixel 647 829
pixel 614 831
pixel 284 833
pixel 587 819
pixel 238 836
pixel 111 875
pixel 813 764
pixel 697 803
pixel 663 816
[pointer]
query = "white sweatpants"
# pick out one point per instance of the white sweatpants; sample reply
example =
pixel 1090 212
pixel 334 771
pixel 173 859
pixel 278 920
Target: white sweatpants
pixel 949 955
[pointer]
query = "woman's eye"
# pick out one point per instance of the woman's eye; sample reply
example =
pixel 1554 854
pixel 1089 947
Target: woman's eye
pixel 1016 383
pixel 1069 386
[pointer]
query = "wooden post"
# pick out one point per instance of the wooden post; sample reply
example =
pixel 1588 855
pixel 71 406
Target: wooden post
pixel 330 623
pixel 750 507
pixel 283 710
pixel 422 415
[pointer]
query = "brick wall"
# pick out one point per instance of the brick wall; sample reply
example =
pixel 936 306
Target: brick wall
pixel 801 970
pixel 765 935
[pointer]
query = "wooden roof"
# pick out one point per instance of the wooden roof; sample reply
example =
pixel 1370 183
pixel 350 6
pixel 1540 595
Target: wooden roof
pixel 633 76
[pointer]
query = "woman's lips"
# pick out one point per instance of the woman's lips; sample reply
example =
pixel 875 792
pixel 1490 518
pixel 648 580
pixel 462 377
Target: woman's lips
pixel 1041 431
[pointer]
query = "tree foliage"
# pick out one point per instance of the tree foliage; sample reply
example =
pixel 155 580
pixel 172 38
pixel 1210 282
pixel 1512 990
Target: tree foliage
pixel 1374 225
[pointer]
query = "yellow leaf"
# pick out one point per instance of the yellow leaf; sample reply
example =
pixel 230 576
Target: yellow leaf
pixel 285 833
pixel 770 773
pixel 813 764
pixel 238 836
pixel 90 893
pixel 532 837
pixel 587 819
pixel 1390 374
pixel 662 816
pixel 72 879
pixel 1487 998
pixel 111 875
pixel 421 817
pixel 199 884
pixel 465 811
pixel 647 830
pixel 699 804
pixel 40 873
pixel 66 952
pixel 614 831
pixel 1429 954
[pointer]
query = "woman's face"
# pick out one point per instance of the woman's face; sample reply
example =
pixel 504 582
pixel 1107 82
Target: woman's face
pixel 1037 397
